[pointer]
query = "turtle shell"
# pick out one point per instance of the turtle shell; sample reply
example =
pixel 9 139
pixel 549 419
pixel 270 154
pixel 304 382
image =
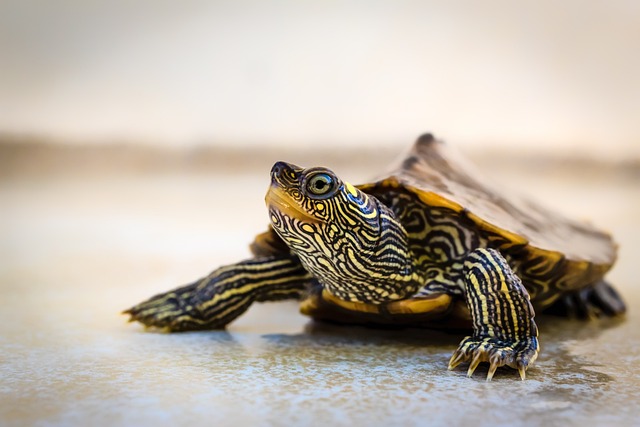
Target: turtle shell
pixel 545 246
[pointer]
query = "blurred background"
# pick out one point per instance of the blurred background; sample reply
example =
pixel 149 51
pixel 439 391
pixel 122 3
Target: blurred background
pixel 135 143
pixel 540 76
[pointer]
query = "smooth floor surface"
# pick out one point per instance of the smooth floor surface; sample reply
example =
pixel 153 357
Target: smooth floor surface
pixel 75 250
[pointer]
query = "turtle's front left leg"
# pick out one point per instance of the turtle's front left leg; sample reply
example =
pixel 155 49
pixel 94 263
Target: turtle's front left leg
pixel 504 332
pixel 217 299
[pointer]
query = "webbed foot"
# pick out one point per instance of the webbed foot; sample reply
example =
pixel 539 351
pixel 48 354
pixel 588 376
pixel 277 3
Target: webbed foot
pixel 517 355
pixel 171 311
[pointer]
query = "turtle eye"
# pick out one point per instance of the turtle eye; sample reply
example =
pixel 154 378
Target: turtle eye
pixel 320 185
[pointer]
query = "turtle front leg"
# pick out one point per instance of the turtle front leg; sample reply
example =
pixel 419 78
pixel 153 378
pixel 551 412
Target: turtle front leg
pixel 217 299
pixel 504 332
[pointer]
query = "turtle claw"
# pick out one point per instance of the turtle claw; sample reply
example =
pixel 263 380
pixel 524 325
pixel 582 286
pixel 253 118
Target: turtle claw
pixel 474 364
pixel 518 355
pixel 522 371
pixel 492 370
pixel 455 360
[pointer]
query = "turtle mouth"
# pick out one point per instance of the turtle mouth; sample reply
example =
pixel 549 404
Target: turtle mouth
pixel 277 199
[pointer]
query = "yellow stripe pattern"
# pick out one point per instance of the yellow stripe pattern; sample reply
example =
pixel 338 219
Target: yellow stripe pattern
pixel 226 293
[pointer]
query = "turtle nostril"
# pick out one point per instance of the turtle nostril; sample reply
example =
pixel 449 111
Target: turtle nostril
pixel 284 171
pixel 286 174
pixel 277 168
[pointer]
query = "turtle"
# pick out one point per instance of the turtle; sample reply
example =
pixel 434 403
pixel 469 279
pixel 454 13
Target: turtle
pixel 431 243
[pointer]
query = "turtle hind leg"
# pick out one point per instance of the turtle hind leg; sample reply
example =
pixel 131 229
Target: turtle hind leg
pixel 222 296
pixel 504 332
pixel 598 300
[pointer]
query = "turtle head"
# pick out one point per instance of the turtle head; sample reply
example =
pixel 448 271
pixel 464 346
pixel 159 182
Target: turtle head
pixel 350 241
pixel 316 198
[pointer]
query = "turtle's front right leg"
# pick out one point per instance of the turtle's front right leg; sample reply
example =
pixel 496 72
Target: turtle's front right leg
pixel 215 300
pixel 504 332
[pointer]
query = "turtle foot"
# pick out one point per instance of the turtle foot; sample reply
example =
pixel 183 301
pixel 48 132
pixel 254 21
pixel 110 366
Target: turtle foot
pixel 517 354
pixel 171 311
pixel 599 300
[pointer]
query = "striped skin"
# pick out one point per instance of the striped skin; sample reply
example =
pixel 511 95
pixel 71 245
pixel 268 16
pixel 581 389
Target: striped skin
pixel 217 299
pixel 504 332
pixel 439 241
pixel 349 241
pixel 441 236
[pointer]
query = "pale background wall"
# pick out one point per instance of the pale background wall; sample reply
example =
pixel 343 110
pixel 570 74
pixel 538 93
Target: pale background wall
pixel 539 75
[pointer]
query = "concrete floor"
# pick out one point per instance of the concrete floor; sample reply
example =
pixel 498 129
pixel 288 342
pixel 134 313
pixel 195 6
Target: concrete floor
pixel 76 249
